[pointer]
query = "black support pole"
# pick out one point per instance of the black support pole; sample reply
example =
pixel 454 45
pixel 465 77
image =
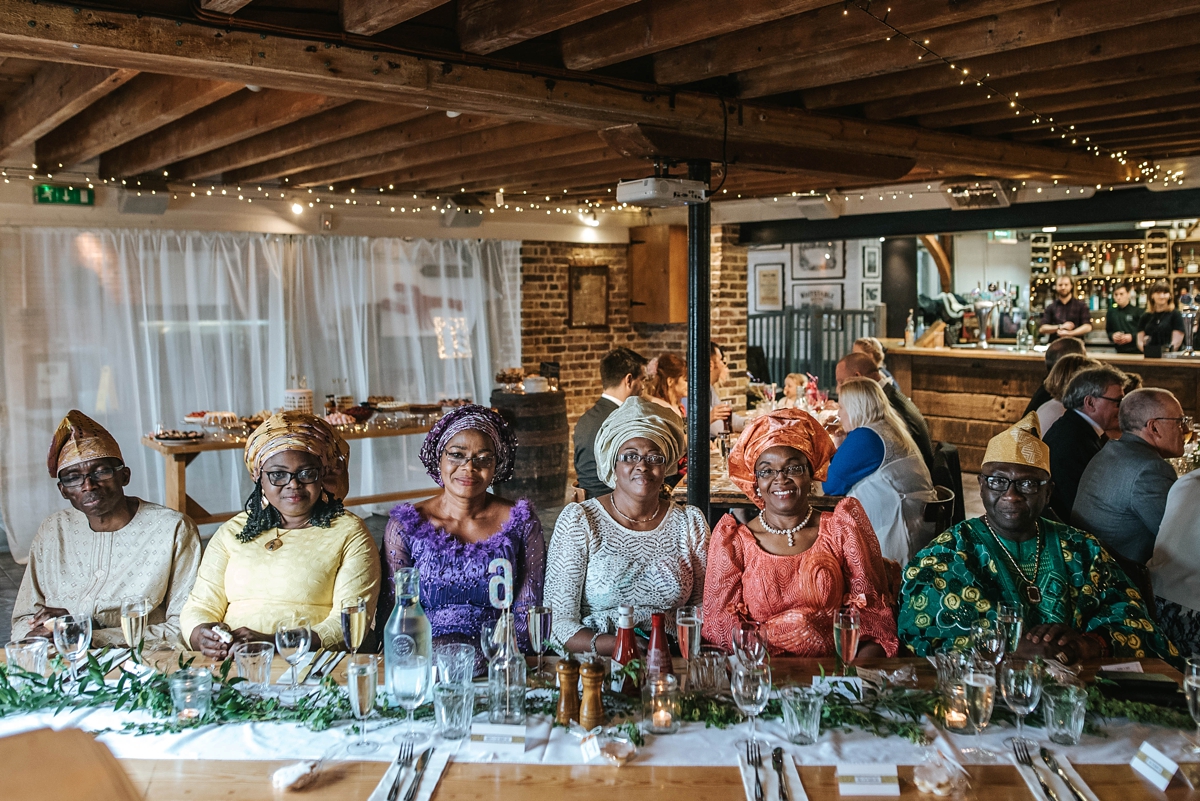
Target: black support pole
pixel 699 335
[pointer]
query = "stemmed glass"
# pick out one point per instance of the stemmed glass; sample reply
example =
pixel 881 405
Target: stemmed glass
pixel 980 686
pixel 989 642
pixel 688 620
pixel 847 624
pixel 292 638
pixel 539 620
pixel 134 613
pixel 1021 685
pixel 409 681
pixel 362 679
pixel 751 687
pixel 749 644
pixel 72 638
pixel 1191 685
pixel 487 639
pixel 354 623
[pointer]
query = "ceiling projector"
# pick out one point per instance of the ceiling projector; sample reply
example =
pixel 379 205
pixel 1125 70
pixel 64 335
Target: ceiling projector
pixel 661 193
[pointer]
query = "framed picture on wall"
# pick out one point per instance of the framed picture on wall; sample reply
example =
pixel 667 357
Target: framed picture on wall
pixel 825 296
pixel 768 287
pixel 871 268
pixel 818 261
pixel 587 297
pixel 871 295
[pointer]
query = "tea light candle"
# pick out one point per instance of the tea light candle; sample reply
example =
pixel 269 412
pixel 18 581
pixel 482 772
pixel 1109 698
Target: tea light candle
pixel 662 719
pixel 955 719
pixel 956 707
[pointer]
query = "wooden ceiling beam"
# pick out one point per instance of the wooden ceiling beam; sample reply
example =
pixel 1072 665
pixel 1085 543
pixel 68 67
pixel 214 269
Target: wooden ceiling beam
pixel 1098 113
pixel 552 181
pixel 1002 32
pixel 145 104
pixel 652 26
pixel 125 40
pixel 824 30
pixel 224 6
pixel 594 155
pixel 57 93
pixel 369 17
pixel 354 118
pixel 485 26
pixel 1190 117
pixel 1138 39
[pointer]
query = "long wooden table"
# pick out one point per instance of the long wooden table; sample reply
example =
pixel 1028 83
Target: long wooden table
pixel 178 455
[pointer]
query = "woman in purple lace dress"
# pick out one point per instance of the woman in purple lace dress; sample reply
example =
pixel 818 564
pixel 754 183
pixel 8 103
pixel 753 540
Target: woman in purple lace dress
pixel 453 537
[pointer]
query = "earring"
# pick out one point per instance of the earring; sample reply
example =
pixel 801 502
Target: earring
pixel 264 502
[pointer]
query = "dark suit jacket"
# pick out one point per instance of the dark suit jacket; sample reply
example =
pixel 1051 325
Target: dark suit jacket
pixel 1041 396
pixel 585 447
pixel 913 420
pixel 1072 442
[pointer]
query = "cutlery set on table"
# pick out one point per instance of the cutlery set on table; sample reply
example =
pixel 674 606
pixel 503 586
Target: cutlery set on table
pixel 408 766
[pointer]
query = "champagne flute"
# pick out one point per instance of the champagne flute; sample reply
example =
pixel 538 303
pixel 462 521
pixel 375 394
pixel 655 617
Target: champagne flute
pixel 292 638
pixel 980 687
pixel 409 681
pixel 751 688
pixel 989 642
pixel 1191 686
pixel 1021 685
pixel 362 679
pixel 749 644
pixel 539 620
pixel 687 631
pixel 134 612
pixel 354 623
pixel 72 638
pixel 1008 616
pixel 847 624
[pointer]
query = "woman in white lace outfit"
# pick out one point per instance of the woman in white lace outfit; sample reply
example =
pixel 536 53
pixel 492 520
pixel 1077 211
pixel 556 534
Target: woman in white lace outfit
pixel 632 547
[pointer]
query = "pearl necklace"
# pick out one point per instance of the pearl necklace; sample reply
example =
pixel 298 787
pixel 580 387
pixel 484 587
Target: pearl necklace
pixel 790 533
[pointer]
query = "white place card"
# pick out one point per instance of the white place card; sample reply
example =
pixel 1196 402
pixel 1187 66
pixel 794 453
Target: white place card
pixel 1123 667
pixel 499 738
pixel 868 779
pixel 850 687
pixel 1156 766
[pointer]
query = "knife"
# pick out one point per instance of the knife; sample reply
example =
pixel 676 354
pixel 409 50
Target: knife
pixel 321 653
pixel 422 763
pixel 330 664
pixel 1052 763
pixel 777 762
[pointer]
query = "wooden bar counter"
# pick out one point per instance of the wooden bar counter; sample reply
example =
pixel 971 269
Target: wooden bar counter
pixel 968 395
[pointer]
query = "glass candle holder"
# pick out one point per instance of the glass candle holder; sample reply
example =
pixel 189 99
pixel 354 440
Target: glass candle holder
pixel 954 697
pixel 28 654
pixel 191 691
pixel 661 711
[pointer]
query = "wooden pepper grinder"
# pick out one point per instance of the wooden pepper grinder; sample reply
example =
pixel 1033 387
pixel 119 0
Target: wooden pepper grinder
pixel 568 691
pixel 591 710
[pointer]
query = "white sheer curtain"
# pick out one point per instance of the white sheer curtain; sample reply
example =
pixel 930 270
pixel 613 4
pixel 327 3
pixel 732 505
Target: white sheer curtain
pixel 132 328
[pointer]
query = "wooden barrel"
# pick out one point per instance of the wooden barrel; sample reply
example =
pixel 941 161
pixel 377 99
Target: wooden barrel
pixel 543 446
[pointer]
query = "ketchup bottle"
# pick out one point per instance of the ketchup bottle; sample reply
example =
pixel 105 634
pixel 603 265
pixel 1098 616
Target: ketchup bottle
pixel 658 655
pixel 625 651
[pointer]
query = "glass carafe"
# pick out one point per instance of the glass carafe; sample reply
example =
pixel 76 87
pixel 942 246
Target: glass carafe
pixel 506 674
pixel 407 633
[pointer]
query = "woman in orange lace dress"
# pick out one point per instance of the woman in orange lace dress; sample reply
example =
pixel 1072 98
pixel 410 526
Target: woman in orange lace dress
pixel 791 568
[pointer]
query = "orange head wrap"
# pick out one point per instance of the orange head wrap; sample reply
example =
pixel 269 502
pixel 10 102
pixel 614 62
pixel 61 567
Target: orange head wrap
pixel 791 428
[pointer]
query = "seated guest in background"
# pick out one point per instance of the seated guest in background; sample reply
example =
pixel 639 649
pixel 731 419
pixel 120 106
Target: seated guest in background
pixel 1054 351
pixel 621 374
pixel 294 551
pixel 667 384
pixel 879 464
pixel 1075 600
pixel 856 364
pixel 1056 384
pixel 453 537
pixel 721 417
pixel 793 391
pixel 1160 329
pixel 792 567
pixel 1175 566
pixel 632 546
pixel 1066 315
pixel 1093 401
pixel 1121 321
pixel 109 546
pixel 1123 491
pixel 873 348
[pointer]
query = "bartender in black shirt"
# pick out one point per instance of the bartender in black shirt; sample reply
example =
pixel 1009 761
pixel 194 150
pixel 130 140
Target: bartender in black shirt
pixel 1066 315
pixel 1121 322
pixel 1161 327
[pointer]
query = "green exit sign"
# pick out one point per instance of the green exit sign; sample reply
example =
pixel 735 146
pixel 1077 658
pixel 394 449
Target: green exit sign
pixel 64 195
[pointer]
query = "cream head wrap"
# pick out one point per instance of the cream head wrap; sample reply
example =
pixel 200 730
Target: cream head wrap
pixel 638 418
pixel 1021 444
pixel 295 431
pixel 79 439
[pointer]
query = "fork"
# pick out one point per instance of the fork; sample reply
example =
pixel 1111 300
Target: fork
pixel 404 760
pixel 1021 752
pixel 754 757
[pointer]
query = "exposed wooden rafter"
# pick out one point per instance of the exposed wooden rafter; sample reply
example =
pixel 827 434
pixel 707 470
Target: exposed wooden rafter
pixel 485 26
pixel 224 6
pixel 369 17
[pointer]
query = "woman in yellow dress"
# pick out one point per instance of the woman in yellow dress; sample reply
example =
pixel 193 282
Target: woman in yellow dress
pixel 294 551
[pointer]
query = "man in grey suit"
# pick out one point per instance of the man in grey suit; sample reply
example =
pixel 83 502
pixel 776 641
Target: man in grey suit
pixel 621 373
pixel 1123 491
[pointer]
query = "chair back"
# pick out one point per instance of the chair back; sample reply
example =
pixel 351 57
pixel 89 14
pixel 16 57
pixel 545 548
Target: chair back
pixel 941 511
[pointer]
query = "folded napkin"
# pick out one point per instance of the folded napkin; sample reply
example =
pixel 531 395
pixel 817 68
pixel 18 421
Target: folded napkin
pixel 1051 777
pixel 769 778
pixel 429 782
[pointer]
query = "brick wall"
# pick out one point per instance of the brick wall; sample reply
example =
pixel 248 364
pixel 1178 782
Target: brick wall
pixel 546 337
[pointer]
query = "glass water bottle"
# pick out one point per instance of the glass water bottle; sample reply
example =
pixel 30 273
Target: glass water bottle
pixel 407 635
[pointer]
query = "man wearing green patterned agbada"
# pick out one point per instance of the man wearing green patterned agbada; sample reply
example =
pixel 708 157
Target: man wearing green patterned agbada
pixel 1076 602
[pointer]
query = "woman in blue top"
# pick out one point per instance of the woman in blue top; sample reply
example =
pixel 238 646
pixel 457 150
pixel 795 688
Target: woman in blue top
pixel 880 465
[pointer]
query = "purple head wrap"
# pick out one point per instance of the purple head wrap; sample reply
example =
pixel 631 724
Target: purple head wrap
pixel 464 418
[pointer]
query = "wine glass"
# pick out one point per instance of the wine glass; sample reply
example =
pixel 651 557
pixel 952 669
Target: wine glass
pixel 292 638
pixel 1021 685
pixel 409 681
pixel 1191 685
pixel 134 612
pixel 989 642
pixel 539 620
pixel 488 642
pixel 72 638
pixel 751 687
pixel 980 685
pixel 362 679
pixel 749 644
pixel 847 623
pixel 354 623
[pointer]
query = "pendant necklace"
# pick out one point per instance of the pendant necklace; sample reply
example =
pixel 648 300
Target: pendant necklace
pixel 277 543
pixel 790 533
pixel 1030 588
pixel 657 509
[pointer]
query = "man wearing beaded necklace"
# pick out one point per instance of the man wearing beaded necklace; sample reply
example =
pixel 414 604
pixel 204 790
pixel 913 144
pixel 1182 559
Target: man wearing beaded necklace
pixel 1076 603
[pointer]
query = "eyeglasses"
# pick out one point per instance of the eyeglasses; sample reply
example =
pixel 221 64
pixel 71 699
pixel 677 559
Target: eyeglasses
pixel 307 475
pixel 482 461
pixel 98 475
pixel 1025 486
pixel 653 459
pixel 791 471
pixel 1110 400
pixel 1184 423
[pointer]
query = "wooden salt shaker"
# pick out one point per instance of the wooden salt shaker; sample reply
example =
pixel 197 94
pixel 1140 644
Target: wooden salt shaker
pixel 591 710
pixel 568 691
